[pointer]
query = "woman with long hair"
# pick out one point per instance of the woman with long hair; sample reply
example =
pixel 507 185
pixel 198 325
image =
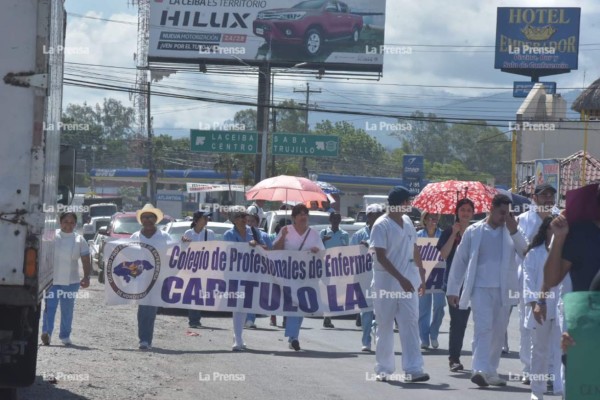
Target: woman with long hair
pixel 447 245
pixel 545 331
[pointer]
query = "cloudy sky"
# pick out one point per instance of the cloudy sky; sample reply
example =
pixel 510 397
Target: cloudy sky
pixel 450 80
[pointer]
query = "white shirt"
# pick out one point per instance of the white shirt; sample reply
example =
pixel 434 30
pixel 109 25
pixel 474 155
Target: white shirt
pixel 293 239
pixel 399 244
pixel 489 258
pixel 200 236
pixel 68 249
pixel 159 238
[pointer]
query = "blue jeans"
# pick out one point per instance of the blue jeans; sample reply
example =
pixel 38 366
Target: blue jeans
pixel 366 319
pixel 146 316
pixel 251 317
pixel 194 317
pixel 429 325
pixel 65 295
pixel 292 327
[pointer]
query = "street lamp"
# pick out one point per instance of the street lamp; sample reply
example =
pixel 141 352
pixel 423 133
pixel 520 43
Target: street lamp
pixel 94 149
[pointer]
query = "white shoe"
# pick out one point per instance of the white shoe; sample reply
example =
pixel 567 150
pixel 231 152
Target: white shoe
pixel 537 396
pixel 382 377
pixel 66 341
pixel 479 379
pixel 238 347
pixel 434 343
pixel 495 380
pixel 249 324
pixel 366 348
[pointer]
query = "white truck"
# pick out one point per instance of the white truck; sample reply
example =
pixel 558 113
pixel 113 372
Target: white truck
pixel 31 67
pixel 100 215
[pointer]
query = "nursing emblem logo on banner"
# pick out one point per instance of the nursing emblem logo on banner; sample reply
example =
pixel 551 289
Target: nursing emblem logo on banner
pixel 132 270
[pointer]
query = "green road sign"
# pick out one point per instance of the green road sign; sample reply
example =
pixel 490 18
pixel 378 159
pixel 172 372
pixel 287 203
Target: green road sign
pixel 300 144
pixel 244 142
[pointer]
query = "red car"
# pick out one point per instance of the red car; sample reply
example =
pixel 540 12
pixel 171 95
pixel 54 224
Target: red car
pixel 122 226
pixel 309 24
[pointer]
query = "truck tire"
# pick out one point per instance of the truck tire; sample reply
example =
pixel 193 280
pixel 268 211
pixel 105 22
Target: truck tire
pixel 8 393
pixel 313 42
pixel 24 323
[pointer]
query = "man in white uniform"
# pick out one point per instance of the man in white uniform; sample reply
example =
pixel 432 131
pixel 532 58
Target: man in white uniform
pixel 398 278
pixel 529 222
pixel 485 263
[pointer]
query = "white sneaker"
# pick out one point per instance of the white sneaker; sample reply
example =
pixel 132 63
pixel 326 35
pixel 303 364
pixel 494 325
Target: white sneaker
pixel 381 377
pixel 249 324
pixel 495 380
pixel 537 396
pixel 434 343
pixel 238 347
pixel 479 379
pixel 366 348
pixel 66 341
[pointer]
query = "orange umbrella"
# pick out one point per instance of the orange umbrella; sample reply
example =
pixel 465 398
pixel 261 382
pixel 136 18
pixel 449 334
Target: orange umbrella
pixel 286 188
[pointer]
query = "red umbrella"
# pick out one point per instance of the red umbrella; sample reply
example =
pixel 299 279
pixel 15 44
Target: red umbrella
pixel 441 197
pixel 286 188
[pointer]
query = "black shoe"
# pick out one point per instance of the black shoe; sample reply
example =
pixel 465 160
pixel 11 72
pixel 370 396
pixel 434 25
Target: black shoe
pixel 195 326
pixel 327 323
pixel 358 321
pixel 456 366
pixel 295 344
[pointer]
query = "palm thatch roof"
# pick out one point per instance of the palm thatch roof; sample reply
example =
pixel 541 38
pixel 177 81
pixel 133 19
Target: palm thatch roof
pixel 589 99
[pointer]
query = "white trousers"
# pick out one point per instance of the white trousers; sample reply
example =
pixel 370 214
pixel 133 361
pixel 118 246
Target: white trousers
pixel 525 344
pixel 490 320
pixel 545 357
pixel 405 310
pixel 238 327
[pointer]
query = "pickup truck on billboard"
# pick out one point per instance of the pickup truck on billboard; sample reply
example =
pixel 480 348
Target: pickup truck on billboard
pixel 309 24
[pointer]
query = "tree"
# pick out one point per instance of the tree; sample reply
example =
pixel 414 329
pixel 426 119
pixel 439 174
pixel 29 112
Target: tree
pixel 428 135
pixel 227 164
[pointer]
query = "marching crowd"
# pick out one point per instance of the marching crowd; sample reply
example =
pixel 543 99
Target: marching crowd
pixel 492 265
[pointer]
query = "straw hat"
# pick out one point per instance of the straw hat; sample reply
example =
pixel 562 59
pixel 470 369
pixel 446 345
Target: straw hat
pixel 149 208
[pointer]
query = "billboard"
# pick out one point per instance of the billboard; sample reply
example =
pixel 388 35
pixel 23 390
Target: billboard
pixel 522 89
pixel 547 171
pixel 537 41
pixel 330 34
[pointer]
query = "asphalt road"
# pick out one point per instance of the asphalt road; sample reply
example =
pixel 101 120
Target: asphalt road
pixel 104 362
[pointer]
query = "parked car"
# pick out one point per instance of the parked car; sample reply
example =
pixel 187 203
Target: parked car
pixel 272 218
pixel 177 228
pixel 309 24
pixel 122 226
pixel 350 228
pixel 94 245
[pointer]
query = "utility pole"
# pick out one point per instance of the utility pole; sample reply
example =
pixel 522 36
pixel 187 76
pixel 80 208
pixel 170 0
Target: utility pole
pixel 308 92
pixel 151 168
pixel 262 121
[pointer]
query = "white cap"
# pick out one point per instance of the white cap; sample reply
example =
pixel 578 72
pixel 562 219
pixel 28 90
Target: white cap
pixel 374 208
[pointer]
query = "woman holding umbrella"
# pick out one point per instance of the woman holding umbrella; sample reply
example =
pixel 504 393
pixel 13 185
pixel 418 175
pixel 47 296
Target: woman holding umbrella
pixel 298 236
pixel 447 244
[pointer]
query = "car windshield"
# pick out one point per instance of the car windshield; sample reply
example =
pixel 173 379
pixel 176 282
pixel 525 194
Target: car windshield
pixel 103 210
pixel 129 225
pixel 310 5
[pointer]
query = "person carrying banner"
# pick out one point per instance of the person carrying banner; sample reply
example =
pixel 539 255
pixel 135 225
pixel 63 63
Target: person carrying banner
pixel 398 277
pixel 485 262
pixel 429 324
pixel 299 237
pixel 263 240
pixel 69 247
pixel 240 233
pixel 198 232
pixel 148 216
pixel 363 237
pixel 447 245
pixel 333 236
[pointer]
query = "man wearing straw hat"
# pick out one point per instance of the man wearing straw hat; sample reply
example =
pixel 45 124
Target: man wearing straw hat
pixel 148 217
